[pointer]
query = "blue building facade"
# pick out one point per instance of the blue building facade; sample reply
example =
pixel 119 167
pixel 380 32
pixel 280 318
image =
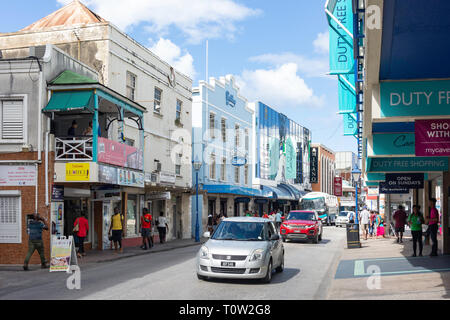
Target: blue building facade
pixel 222 128
pixel 282 159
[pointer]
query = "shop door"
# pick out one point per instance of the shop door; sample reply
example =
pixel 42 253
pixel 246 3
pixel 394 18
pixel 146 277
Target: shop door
pixel 223 207
pixel 236 209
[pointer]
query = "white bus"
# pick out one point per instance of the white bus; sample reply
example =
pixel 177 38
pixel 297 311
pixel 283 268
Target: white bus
pixel 326 205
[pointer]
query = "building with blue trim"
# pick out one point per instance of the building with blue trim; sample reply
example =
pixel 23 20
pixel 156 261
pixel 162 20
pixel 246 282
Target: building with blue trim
pixel 222 128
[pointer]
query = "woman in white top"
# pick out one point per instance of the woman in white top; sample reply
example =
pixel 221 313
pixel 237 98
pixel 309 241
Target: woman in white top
pixel 162 227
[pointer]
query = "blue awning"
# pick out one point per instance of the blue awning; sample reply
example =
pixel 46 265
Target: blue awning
pixel 292 189
pixel 278 193
pixel 237 190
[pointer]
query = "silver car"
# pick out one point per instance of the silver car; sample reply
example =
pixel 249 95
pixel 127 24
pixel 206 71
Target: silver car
pixel 241 248
pixel 343 218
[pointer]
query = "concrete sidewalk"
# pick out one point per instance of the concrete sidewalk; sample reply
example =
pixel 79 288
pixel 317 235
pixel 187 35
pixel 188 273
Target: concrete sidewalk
pixel 401 276
pixel 97 256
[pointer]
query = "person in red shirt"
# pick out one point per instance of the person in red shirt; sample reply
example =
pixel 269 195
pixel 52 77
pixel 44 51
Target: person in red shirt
pixel 146 229
pixel 83 228
pixel 400 221
pixel 265 215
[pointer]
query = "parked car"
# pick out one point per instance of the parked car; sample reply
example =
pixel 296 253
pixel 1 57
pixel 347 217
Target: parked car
pixel 302 225
pixel 241 248
pixel 343 218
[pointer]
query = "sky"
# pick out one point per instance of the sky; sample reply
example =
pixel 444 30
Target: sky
pixel 277 50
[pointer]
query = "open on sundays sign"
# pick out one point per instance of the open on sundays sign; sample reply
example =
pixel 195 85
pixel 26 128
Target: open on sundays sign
pixel 432 137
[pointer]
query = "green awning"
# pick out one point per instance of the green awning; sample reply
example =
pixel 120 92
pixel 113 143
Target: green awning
pixel 70 77
pixel 64 101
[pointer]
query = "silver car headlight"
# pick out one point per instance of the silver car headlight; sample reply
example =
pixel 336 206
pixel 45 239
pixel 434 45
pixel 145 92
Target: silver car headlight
pixel 257 255
pixel 204 252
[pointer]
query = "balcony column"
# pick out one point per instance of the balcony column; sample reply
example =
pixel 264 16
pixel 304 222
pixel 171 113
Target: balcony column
pixel 95 128
pixel 121 120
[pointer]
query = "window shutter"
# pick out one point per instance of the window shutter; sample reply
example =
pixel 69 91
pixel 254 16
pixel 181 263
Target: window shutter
pixel 10 224
pixel 12 120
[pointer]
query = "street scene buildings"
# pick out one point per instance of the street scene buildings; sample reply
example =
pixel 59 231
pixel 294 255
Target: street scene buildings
pixel 95 125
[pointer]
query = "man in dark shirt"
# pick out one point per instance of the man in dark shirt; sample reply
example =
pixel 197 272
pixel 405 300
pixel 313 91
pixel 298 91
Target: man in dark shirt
pixel 71 132
pixel 35 242
pixel 400 221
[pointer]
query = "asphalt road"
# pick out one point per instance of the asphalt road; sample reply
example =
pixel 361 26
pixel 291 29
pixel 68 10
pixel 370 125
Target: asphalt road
pixel 309 270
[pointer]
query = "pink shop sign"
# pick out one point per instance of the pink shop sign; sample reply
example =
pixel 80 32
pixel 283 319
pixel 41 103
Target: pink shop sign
pixel 433 138
pixel 119 154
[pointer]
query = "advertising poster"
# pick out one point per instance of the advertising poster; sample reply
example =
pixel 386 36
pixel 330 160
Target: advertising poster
pixel 11 176
pixel 57 209
pixel 62 254
pixel 77 171
pixel 119 154
pixel 432 137
pixel 338 186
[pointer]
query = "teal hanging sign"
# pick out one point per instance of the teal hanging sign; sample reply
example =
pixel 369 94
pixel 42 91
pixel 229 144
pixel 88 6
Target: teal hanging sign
pixel 341 43
pixel 415 98
pixel 291 160
pixel 347 93
pixel 350 124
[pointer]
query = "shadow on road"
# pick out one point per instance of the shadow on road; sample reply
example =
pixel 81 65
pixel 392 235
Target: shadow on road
pixel 286 275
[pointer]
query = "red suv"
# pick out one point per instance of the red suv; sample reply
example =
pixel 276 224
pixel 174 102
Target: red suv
pixel 302 224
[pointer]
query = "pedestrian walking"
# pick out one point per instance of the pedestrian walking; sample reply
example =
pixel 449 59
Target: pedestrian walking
pixel 163 227
pixel 433 223
pixel 80 228
pixel 380 226
pixel 415 221
pixel 35 242
pixel 146 229
pixel 400 221
pixel 372 223
pixel 278 219
pixel 365 216
pixel 116 229
pixel 351 217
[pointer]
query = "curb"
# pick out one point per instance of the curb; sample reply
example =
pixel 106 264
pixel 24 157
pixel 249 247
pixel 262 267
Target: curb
pixel 118 257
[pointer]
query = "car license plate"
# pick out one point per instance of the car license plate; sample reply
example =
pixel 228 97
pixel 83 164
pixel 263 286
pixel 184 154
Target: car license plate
pixel 298 231
pixel 228 264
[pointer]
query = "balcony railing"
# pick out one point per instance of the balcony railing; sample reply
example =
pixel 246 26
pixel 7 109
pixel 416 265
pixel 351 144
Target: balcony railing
pixel 73 148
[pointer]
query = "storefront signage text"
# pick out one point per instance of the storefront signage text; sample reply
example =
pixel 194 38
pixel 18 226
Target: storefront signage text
pixel 230 101
pixel 77 171
pixel 415 98
pixel 432 137
pixel 409 181
pixel 17 176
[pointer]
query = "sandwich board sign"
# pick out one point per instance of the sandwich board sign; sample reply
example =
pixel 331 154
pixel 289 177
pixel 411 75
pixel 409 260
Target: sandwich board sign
pixel 62 254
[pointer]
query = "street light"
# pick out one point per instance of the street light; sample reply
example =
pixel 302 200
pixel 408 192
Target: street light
pixel 197 165
pixel 356 174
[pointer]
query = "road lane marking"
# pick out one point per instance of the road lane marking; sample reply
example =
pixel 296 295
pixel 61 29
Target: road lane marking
pixel 359 268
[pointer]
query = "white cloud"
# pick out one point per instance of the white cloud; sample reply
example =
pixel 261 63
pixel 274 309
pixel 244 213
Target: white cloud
pixel 280 86
pixel 197 19
pixel 309 67
pixel 322 43
pixel 171 53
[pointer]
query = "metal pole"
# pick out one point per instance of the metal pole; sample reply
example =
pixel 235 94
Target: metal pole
pixel 356 207
pixel 197 226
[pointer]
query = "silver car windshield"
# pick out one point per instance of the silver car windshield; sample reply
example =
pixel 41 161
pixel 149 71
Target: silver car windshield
pixel 240 231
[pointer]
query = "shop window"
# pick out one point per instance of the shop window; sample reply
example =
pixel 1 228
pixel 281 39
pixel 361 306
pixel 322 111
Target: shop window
pixel 132 224
pixel 10 220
